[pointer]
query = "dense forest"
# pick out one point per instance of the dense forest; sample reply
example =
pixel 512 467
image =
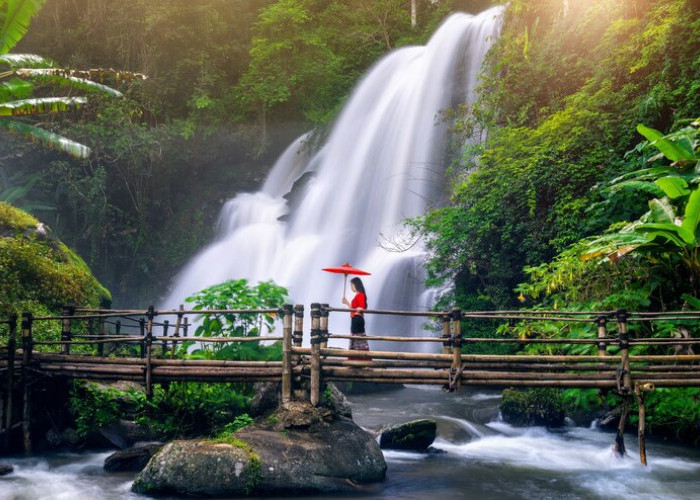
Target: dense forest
pixel 229 84
pixel 584 194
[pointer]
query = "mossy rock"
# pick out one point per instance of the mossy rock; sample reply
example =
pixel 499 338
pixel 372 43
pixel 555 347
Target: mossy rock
pixel 40 273
pixel 533 407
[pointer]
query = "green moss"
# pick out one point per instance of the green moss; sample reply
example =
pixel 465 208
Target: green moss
pixel 533 407
pixel 40 273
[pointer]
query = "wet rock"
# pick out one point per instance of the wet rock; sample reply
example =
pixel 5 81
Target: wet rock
pixel 123 433
pixel 267 398
pixel 298 449
pixel 132 459
pixel 6 469
pixel 417 435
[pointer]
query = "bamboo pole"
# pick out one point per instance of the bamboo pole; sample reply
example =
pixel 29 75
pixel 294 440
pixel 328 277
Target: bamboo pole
pixel 601 321
pixel 287 354
pixel 316 339
pixel 626 377
pixel 67 312
pixel 142 334
pixel 446 335
pixel 641 425
pixel 26 386
pixel 178 324
pixel 323 326
pixel 455 383
pixel 620 436
pixel 149 352
pixel 298 334
pixel 164 341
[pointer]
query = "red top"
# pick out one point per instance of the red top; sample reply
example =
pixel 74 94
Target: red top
pixel 359 300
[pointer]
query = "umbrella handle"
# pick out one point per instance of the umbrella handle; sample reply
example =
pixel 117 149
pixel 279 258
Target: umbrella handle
pixel 345 282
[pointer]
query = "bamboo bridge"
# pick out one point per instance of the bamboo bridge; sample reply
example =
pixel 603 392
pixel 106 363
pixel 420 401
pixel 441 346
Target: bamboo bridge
pixel 145 347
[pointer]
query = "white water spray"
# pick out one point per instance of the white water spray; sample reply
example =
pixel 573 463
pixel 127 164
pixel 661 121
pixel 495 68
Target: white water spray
pixel 383 162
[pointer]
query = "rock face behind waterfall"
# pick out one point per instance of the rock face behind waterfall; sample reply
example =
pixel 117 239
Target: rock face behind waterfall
pixel 298 449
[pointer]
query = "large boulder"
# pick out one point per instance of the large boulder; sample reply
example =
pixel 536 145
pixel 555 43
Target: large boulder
pixel 417 435
pixel 297 449
pixel 6 469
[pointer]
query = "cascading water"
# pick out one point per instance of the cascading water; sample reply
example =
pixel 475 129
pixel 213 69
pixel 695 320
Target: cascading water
pixel 384 161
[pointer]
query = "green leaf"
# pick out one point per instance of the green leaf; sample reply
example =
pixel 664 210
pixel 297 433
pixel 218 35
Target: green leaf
pixel 691 218
pixel 47 138
pixel 661 210
pixel 26 61
pixel 693 302
pixel 15 16
pixel 673 187
pixel 62 76
pixel 671 150
pixel 677 235
pixel 40 105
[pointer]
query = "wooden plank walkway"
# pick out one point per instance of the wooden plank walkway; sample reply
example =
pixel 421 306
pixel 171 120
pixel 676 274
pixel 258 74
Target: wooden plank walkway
pixel 91 342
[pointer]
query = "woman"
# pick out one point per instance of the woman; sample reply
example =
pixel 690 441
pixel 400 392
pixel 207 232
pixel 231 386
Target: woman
pixel 357 319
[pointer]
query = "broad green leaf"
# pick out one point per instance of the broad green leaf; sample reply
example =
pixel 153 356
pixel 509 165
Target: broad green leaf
pixel 65 77
pixel 16 15
pixel 673 187
pixel 40 105
pixel 47 138
pixel 671 150
pixel 677 235
pixel 25 61
pixel 638 185
pixel 693 302
pixel 15 89
pixel 661 210
pixel 691 218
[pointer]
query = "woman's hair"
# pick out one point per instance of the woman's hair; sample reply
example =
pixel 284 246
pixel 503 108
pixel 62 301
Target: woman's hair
pixel 359 286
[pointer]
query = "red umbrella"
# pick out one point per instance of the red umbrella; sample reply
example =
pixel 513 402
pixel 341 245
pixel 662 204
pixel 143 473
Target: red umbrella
pixel 346 269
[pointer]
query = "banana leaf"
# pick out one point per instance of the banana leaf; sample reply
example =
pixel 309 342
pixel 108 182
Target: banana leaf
pixel 47 138
pixel 60 76
pixel 15 16
pixel 40 105
pixel 25 61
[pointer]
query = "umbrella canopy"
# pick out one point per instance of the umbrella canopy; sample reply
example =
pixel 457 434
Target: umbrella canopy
pixel 346 269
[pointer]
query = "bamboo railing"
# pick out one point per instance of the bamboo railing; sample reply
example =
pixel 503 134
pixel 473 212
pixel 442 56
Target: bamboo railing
pixel 143 346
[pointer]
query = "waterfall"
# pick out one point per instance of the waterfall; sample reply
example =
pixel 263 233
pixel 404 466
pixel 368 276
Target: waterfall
pixel 384 161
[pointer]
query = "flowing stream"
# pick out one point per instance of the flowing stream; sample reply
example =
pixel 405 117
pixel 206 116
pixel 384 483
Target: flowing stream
pixel 383 162
pixel 478 457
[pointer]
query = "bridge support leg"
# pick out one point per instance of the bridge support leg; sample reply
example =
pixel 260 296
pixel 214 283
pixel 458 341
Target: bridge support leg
pixel 642 423
pixel 27 346
pixel 7 423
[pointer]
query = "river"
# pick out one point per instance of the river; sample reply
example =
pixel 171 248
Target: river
pixel 477 457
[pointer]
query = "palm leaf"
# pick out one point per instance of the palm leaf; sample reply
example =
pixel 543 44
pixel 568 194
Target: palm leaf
pixel 40 105
pixel 47 138
pixel 15 19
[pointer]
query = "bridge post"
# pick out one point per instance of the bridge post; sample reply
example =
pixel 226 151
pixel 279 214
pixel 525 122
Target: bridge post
pixel 316 338
pixel 298 334
pixel 324 326
pixel 102 326
pixel 149 352
pixel 624 381
pixel 456 370
pixel 602 321
pixel 66 334
pixel 11 345
pixel 27 346
pixel 288 311
pixel 142 335
pixel 446 342
pixel 178 324
pixel 164 346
